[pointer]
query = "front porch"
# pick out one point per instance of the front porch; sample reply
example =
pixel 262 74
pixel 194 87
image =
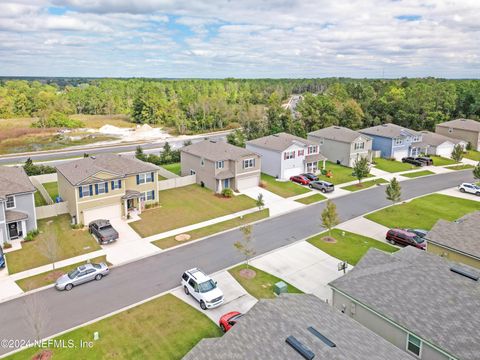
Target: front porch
pixel 223 180
pixel 133 203
pixel 314 166
pixel 16 222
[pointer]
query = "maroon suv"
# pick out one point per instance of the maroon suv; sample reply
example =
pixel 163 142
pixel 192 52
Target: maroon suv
pixel 404 237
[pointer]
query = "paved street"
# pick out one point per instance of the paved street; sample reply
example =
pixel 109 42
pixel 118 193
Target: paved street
pixel 142 279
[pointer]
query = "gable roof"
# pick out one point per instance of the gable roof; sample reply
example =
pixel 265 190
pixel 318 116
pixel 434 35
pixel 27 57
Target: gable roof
pixel 434 139
pixel 261 334
pixel 216 150
pixel 279 142
pixel 78 171
pixel 461 235
pixel 463 124
pixel 338 133
pixel 14 180
pixel 418 291
pixel 389 130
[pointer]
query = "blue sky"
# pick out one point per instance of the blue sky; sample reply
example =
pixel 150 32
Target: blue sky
pixel 280 38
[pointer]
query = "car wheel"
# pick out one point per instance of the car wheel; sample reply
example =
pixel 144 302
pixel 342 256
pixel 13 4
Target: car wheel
pixel 462 190
pixel 186 290
pixel 478 194
pixel 69 287
pixel 310 186
pixel 202 305
pixel 222 327
pixel 98 277
pixel 323 191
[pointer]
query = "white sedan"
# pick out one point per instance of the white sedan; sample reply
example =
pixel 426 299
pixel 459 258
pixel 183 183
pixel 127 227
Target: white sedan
pixel 469 188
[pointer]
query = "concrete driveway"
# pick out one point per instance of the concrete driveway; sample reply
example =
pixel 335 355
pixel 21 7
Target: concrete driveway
pixel 303 266
pixel 236 297
pixel 365 227
pixel 275 203
pixel 455 192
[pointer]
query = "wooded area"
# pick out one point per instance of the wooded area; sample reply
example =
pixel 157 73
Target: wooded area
pixel 255 104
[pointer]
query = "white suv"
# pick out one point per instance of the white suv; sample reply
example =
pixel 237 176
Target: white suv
pixel 202 288
pixel 469 188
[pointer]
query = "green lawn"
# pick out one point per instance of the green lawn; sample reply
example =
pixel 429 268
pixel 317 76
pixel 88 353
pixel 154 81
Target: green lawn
pixel 261 286
pixel 49 277
pixel 186 206
pixel 417 173
pixel 424 212
pixel 460 167
pixel 39 200
pixel 473 155
pixel 70 243
pixel 174 168
pixel 163 328
pixel 441 161
pixel 350 247
pixel 213 229
pixel 52 189
pixel 340 174
pixel 365 185
pixel 392 165
pixel 311 199
pixel 283 188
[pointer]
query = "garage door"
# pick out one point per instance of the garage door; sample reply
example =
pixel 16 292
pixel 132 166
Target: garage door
pixel 287 173
pixel 399 154
pixel 444 150
pixel 245 183
pixel 104 212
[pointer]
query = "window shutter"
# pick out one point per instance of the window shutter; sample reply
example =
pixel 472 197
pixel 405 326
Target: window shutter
pixel 80 193
pixel 119 184
pixel 106 187
pixel 138 179
pixel 153 176
pixel 113 185
pixel 153 194
pixel 91 190
pixel 96 189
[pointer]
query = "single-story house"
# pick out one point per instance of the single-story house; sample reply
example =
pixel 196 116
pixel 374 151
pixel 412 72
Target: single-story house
pixel 394 141
pixel 285 155
pixel 464 129
pixel 441 145
pixel 219 165
pixel 342 145
pixel 17 204
pixel 458 240
pixel 420 302
pixel 269 330
pixel 107 186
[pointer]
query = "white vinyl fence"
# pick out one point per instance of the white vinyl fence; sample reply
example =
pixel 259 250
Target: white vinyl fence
pixel 177 182
pixel 47 211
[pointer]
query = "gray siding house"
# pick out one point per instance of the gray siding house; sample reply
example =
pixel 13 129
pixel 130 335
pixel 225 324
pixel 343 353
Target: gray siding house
pixel 464 129
pixel 418 301
pixel 17 204
pixel 219 165
pixel 342 145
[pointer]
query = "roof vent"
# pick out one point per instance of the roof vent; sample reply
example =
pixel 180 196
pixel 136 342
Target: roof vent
pixel 465 272
pixel 336 127
pixel 326 340
pixel 276 135
pixel 213 141
pixel 299 347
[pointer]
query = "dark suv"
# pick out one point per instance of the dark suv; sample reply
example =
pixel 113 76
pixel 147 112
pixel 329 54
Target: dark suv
pixel 103 231
pixel 413 161
pixel 2 259
pixel 404 237
pixel 310 176
pixel 427 160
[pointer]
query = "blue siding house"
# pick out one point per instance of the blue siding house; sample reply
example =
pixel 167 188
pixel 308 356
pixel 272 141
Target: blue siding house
pixel 394 141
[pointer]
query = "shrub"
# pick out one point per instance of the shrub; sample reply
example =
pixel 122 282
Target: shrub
pixel 227 193
pixel 31 235
pixel 469 146
pixel 7 245
pixel 58 120
pixel 77 226
pixel 31 169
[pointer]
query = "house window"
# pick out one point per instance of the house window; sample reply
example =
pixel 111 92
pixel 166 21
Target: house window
pixel 416 138
pixel 144 178
pixel 301 152
pixel 249 163
pixel 192 172
pixel 289 155
pixel 414 345
pixel 10 202
pixel 202 162
pixel 359 145
pixel 150 195
pixel 312 149
pixel 398 141
pixel 100 188
pixel 116 184
pixel 220 164
pixel 85 191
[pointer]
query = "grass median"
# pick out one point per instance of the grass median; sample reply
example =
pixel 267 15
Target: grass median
pixel 365 185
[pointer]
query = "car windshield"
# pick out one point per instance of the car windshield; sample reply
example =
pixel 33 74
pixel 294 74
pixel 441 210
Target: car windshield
pixel 73 274
pixel 207 286
pixel 97 266
pixel 106 227
pixel 418 239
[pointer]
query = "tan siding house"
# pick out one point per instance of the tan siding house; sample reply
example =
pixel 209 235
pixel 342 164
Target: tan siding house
pixel 107 186
pixel 464 129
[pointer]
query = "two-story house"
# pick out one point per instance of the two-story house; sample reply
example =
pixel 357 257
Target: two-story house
pixel 219 165
pixel 17 204
pixel 107 186
pixel 463 129
pixel 342 145
pixel 285 155
pixel 394 141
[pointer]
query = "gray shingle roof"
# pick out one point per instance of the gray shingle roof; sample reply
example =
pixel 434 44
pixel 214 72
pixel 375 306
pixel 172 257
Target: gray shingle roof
pixel 279 142
pixel 418 291
pixel 14 180
pixel 216 150
pixel 77 171
pixel 464 124
pixel 12 215
pixel 434 139
pixel 462 235
pixel 389 131
pixel 337 133
pixel 261 334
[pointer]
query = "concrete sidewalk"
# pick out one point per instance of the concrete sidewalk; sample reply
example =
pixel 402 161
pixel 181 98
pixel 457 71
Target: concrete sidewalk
pixel 275 203
pixel 365 227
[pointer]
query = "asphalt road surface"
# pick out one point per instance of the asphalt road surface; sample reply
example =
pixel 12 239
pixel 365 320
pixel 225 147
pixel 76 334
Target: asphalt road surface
pixel 140 280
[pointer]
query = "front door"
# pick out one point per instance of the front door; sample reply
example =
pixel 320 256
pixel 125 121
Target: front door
pixel 226 183
pixel 13 230
pixel 130 204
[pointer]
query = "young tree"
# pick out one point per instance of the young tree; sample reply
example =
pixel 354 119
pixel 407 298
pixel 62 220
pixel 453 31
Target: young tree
pixel 139 154
pixel 237 138
pixel 245 246
pixel 330 216
pixel 35 315
pixel 48 246
pixel 457 153
pixel 476 171
pixel 393 191
pixel 361 168
pixel 260 202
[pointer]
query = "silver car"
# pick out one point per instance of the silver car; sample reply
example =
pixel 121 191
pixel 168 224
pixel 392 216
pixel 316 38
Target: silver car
pixel 80 275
